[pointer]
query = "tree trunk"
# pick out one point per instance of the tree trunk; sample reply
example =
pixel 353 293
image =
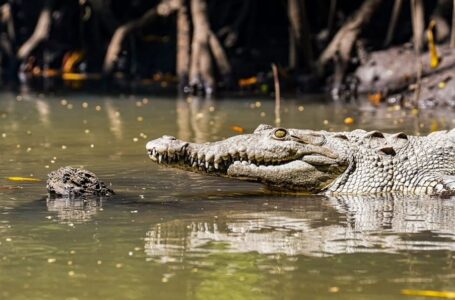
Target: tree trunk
pixel 345 38
pixel 204 44
pixel 183 45
pixel 340 48
pixel 418 23
pixel 300 50
pixel 7 40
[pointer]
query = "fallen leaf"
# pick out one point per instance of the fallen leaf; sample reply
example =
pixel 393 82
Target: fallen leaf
pixel 238 129
pixel 427 293
pixel 376 98
pixel 434 56
pixel 23 179
pixel 248 81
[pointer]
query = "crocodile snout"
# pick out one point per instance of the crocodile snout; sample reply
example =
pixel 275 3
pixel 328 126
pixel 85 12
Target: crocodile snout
pixel 166 146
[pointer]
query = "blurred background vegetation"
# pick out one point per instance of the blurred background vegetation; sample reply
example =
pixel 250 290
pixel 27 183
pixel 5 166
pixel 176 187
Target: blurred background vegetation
pixel 201 46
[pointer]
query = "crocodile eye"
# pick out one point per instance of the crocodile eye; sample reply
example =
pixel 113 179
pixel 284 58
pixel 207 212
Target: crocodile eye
pixel 280 133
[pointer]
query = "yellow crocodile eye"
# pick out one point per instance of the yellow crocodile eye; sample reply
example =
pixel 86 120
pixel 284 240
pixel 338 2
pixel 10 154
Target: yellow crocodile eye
pixel 280 133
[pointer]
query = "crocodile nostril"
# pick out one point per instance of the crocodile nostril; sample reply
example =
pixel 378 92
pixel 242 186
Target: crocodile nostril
pixel 169 137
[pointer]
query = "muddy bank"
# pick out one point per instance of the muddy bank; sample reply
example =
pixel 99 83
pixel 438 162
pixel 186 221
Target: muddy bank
pixel 394 72
pixel 436 90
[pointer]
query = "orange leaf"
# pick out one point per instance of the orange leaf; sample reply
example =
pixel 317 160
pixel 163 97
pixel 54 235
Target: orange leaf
pixel 238 129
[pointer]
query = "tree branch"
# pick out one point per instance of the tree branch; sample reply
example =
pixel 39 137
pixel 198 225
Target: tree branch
pixel 163 9
pixel 42 29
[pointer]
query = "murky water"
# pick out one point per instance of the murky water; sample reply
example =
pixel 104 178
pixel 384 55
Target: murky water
pixel 168 234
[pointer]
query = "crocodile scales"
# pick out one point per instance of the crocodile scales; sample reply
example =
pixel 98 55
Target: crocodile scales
pixel 356 162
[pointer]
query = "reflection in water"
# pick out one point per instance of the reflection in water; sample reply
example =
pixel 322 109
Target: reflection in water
pixel 214 229
pixel 74 210
pixel 44 110
pixel 368 224
pixel 197 119
pixel 114 118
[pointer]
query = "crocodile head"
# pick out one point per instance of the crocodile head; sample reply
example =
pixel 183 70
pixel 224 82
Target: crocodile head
pixel 284 159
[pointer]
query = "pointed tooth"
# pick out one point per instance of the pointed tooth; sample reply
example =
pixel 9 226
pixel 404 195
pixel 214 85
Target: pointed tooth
pixel 200 156
pixel 206 164
pixel 216 165
pixel 259 156
pixel 210 156
pixel 160 158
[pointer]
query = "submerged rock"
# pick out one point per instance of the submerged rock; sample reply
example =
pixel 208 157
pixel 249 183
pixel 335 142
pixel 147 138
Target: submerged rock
pixel 73 182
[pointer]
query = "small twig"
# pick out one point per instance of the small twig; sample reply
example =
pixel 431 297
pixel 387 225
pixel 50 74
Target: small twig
pixel 393 22
pixel 276 80
pixel 417 14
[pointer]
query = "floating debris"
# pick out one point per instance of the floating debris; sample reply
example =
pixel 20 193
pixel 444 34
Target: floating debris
pixel 349 121
pixel 376 99
pixel 429 293
pixel 248 81
pixel 238 129
pixel 435 59
pixel 23 179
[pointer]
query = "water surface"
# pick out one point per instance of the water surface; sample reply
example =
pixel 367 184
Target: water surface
pixel 168 234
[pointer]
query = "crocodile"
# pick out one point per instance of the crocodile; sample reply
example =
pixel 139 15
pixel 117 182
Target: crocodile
pixel 321 162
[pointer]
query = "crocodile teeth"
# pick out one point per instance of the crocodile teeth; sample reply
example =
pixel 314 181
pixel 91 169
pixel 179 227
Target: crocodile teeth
pixel 160 158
